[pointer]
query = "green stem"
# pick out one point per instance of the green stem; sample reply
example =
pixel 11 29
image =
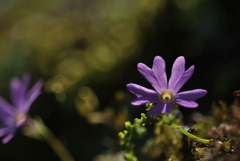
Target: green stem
pixel 205 141
pixel 57 146
pixel 35 128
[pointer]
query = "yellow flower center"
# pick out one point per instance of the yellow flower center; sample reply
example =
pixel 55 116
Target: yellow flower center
pixel 20 117
pixel 166 96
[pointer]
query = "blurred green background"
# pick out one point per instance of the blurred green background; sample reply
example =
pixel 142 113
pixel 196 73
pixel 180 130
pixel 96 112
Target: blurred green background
pixel 88 50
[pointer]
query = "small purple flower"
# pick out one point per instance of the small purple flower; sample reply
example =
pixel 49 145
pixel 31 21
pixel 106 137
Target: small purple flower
pixel 166 93
pixel 14 116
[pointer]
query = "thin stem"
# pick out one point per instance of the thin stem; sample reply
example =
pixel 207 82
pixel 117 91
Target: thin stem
pixel 57 146
pixel 189 134
pixel 205 141
pixel 35 128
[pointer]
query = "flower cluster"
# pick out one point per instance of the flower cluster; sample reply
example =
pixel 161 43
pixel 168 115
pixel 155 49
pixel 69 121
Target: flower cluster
pixel 166 93
pixel 14 116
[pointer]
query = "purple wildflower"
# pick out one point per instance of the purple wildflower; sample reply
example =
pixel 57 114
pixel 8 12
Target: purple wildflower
pixel 14 116
pixel 166 93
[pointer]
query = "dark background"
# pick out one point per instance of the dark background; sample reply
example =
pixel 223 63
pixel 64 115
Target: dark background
pixel 97 45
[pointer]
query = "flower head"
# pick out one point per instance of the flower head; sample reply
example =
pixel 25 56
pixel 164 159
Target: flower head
pixel 166 92
pixel 14 116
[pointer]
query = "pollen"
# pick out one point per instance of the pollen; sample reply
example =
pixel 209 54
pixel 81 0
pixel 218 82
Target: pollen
pixel 19 117
pixel 166 96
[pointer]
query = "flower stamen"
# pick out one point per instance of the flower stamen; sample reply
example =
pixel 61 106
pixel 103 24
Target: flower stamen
pixel 20 117
pixel 166 96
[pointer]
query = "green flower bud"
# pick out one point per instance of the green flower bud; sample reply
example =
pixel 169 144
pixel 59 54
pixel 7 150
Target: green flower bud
pixel 125 132
pixel 121 135
pixel 128 124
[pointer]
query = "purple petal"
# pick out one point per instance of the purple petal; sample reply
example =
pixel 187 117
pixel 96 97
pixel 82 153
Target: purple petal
pixel 158 109
pixel 191 95
pixel 8 138
pixel 16 92
pixel 177 71
pixel 32 95
pixel 25 83
pixel 23 90
pixel 144 100
pixel 169 108
pixel 21 122
pixel 35 88
pixel 163 108
pixel 185 103
pixel 6 110
pixel 141 91
pixel 147 73
pixel 185 77
pixel 4 131
pixel 159 70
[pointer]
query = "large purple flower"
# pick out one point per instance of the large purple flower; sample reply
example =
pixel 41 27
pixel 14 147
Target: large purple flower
pixel 14 116
pixel 166 93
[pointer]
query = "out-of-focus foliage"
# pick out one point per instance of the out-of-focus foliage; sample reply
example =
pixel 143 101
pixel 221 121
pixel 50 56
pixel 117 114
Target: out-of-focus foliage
pixel 225 128
pixel 160 145
pixel 74 41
